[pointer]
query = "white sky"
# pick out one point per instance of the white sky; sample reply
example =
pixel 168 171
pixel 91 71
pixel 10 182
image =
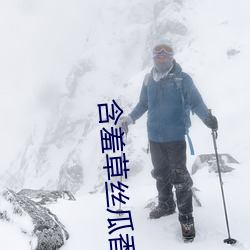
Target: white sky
pixel 40 42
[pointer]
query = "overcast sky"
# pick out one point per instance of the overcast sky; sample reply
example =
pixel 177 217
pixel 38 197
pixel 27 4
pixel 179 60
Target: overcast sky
pixel 40 42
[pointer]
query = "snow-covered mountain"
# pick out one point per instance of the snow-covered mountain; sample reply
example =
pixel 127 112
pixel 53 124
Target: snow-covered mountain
pixel 211 42
pixel 58 155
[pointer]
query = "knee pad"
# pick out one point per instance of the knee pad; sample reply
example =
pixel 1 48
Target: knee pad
pixel 181 179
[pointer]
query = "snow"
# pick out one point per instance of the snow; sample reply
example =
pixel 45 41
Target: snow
pixel 87 217
pixel 11 233
pixel 11 229
pixel 52 36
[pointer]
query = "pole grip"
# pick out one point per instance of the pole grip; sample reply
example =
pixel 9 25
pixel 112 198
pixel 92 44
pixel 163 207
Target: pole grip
pixel 214 132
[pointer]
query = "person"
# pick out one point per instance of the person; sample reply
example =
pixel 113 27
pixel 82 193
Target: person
pixel 162 100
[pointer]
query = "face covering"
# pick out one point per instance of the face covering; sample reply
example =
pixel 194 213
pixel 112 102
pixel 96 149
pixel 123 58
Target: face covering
pixel 163 67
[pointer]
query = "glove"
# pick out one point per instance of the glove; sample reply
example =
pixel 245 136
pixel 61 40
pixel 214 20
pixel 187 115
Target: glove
pixel 124 121
pixel 211 122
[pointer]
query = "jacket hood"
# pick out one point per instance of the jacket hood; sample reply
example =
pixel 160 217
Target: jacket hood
pixel 176 68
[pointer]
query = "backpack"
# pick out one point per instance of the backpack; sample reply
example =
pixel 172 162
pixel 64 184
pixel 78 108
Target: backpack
pixel 186 108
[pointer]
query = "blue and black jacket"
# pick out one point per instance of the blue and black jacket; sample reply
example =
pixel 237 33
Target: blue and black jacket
pixel 163 103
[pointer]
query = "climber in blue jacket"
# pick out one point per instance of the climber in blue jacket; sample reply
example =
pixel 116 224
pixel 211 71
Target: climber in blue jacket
pixel 167 95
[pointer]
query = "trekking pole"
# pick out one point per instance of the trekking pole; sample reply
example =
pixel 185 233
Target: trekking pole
pixel 124 129
pixel 229 240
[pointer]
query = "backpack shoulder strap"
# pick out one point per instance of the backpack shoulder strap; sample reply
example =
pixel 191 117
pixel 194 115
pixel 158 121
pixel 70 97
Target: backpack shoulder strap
pixel 178 80
pixel 186 110
pixel 146 79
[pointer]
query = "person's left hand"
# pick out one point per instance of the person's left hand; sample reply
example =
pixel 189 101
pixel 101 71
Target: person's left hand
pixel 211 122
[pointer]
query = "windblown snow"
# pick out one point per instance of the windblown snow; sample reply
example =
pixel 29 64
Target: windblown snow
pixel 59 59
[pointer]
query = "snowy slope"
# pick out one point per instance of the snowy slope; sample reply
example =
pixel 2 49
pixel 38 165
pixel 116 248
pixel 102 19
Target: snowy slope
pixel 212 44
pixel 87 217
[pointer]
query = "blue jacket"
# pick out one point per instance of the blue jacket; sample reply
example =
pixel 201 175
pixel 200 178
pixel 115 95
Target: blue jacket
pixel 163 101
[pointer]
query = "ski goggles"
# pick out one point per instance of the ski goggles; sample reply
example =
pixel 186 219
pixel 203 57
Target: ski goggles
pixel 163 50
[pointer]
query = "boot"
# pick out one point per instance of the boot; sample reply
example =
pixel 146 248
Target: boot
pixel 188 231
pixel 160 211
pixel 187 227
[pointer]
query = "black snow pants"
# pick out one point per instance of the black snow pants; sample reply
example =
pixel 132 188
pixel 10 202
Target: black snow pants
pixel 169 162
